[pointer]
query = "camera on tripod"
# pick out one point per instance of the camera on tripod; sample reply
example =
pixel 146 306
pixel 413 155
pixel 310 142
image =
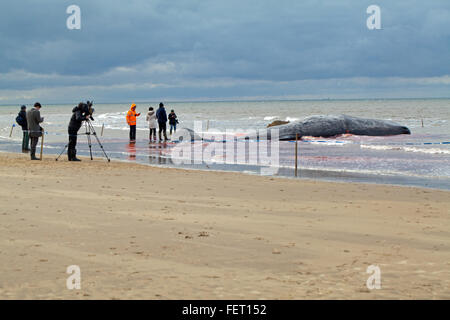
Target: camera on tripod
pixel 88 110
pixel 82 113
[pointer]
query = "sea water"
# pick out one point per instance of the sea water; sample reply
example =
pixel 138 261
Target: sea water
pixel 419 159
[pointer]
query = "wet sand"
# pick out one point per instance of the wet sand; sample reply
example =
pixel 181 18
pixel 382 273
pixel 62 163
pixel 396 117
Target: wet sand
pixel 139 232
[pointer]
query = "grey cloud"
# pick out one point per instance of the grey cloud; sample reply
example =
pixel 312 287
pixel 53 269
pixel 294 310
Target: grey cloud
pixel 200 40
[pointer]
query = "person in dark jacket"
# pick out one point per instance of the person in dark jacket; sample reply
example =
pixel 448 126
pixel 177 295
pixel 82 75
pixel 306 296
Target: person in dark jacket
pixel 173 120
pixel 161 115
pixel 80 113
pixel 33 120
pixel 22 121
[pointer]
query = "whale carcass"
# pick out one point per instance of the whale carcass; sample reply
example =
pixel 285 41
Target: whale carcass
pixel 333 125
pixel 314 126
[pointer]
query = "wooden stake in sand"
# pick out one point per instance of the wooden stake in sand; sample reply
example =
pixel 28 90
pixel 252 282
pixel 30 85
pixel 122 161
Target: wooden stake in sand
pixel 12 127
pixel 296 153
pixel 42 143
pixel 103 127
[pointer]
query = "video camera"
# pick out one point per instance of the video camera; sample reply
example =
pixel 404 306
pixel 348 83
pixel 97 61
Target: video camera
pixel 87 109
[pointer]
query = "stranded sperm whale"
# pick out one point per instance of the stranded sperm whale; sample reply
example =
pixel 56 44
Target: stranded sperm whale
pixel 314 126
pixel 329 126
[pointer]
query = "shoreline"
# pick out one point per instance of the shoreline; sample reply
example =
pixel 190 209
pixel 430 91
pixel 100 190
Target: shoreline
pixel 326 180
pixel 324 175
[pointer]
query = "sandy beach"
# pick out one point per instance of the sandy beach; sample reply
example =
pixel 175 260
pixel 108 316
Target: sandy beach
pixel 140 232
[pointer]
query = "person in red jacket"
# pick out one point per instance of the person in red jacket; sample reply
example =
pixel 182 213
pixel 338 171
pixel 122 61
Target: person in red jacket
pixel 131 120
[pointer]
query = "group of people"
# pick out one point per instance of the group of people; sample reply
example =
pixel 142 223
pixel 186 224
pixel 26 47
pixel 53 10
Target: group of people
pixel 158 118
pixel 30 122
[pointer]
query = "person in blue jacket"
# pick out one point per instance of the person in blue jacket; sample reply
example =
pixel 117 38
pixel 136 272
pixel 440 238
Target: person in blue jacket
pixel 161 115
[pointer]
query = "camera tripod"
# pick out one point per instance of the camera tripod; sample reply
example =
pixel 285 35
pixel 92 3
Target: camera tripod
pixel 90 131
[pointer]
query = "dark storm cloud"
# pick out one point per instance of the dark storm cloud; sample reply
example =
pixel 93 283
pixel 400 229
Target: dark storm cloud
pixel 126 42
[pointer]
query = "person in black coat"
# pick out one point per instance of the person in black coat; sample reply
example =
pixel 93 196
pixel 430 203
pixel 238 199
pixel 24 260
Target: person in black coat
pixel 22 121
pixel 173 121
pixel 80 113
pixel 161 115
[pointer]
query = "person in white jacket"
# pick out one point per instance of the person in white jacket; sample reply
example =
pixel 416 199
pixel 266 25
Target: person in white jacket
pixel 151 118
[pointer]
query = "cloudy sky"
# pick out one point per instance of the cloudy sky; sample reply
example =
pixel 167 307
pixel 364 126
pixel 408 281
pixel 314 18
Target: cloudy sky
pixel 151 50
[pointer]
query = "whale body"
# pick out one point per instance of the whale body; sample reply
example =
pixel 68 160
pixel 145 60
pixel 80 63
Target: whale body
pixel 333 125
pixel 314 126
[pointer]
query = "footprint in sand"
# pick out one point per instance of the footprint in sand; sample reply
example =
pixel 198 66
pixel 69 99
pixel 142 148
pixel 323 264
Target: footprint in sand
pixel 203 234
pixel 290 245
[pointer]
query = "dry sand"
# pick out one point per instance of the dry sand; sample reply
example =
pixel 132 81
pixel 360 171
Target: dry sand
pixel 139 232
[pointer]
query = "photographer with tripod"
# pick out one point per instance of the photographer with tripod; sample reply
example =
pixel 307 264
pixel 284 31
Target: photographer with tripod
pixel 83 112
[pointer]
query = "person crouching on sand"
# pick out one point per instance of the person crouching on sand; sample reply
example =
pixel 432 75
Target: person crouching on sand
pixel 34 119
pixel 173 121
pixel 131 120
pixel 151 118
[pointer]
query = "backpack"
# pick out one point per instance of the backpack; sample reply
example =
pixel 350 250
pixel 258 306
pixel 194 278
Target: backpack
pixel 20 120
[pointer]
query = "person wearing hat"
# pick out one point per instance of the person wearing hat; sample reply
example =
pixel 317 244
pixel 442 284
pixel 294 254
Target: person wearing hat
pixel 22 121
pixel 34 119
pixel 131 120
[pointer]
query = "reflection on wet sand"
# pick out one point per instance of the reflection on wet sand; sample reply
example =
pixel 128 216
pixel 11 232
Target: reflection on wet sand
pixel 157 152
pixel 131 149
pixel 358 159
pixel 156 155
